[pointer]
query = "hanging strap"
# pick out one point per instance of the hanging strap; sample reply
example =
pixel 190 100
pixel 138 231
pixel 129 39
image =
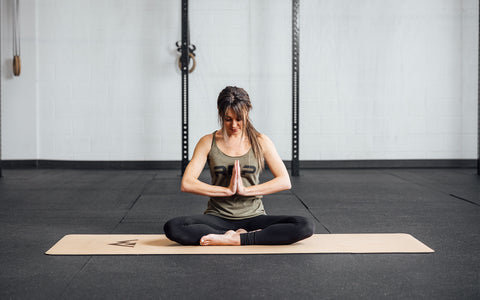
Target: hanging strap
pixel 16 38
pixel 16 28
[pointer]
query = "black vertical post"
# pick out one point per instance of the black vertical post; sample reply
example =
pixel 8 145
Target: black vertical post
pixel 1 78
pixel 184 59
pixel 295 87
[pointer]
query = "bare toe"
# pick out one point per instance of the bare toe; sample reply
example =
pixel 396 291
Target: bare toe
pixel 230 238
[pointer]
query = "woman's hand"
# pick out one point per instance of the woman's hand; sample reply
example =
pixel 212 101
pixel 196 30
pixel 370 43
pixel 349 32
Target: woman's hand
pixel 281 180
pixel 237 173
pixel 233 187
pixel 190 181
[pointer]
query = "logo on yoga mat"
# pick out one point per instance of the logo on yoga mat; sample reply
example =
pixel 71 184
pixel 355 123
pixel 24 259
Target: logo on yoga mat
pixel 127 243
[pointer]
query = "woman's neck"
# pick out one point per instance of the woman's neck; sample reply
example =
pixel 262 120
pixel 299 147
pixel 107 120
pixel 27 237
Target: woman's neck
pixel 234 144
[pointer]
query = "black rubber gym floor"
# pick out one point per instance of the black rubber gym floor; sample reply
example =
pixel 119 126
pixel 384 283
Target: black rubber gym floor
pixel 440 207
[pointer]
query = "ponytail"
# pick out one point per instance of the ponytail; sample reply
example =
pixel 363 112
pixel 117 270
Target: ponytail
pixel 253 135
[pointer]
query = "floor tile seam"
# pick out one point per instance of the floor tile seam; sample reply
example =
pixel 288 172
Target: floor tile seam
pixel 464 199
pixel 146 184
pixel 309 211
pixel 147 221
pixel 428 187
pixel 436 179
pixel 63 293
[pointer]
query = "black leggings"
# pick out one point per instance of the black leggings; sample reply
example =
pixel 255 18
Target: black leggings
pixel 275 230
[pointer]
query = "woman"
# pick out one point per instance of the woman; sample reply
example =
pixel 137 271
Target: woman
pixel 235 215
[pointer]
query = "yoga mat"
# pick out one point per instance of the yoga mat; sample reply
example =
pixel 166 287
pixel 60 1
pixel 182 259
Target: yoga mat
pixel 140 244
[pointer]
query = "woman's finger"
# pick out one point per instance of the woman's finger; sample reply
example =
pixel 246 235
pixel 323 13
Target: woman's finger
pixel 240 187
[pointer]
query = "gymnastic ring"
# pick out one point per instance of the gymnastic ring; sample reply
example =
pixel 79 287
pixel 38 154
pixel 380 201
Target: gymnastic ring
pixel 194 62
pixel 17 67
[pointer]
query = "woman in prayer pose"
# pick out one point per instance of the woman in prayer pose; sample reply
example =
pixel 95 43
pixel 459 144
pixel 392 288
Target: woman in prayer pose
pixel 236 155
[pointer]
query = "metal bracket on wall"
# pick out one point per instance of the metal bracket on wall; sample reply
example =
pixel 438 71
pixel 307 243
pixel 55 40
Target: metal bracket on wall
pixel 295 87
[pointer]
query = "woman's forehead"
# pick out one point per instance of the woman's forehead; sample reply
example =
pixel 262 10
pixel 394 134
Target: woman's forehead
pixel 232 114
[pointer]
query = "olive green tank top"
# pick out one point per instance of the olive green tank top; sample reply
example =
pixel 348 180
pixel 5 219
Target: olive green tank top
pixel 221 166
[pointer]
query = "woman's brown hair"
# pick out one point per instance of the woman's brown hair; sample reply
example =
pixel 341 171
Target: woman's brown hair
pixel 237 99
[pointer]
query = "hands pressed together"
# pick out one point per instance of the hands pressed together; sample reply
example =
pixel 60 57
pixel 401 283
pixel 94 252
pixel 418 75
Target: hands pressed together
pixel 236 185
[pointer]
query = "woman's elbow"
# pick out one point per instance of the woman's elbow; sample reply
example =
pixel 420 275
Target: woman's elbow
pixel 287 183
pixel 185 187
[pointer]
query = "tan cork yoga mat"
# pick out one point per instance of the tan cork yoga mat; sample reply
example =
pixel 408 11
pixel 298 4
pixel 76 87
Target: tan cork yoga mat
pixel 149 244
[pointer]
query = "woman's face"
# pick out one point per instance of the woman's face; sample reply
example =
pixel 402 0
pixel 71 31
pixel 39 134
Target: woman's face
pixel 232 123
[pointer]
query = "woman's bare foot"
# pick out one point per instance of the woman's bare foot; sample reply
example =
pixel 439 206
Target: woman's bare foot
pixel 229 238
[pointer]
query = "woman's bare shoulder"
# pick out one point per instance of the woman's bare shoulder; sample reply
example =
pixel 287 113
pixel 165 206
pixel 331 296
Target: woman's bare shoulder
pixel 265 142
pixel 202 148
pixel 263 138
pixel 206 140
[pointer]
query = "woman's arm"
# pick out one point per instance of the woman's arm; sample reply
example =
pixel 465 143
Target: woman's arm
pixel 281 180
pixel 190 182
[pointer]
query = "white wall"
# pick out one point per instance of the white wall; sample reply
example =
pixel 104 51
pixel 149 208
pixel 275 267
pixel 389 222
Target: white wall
pixel 469 77
pixel 19 94
pixel 379 79
pixel 108 87
pixel 388 79
pixel 247 44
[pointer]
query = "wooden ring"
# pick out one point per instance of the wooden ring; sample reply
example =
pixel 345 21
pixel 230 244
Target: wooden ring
pixel 194 62
pixel 17 66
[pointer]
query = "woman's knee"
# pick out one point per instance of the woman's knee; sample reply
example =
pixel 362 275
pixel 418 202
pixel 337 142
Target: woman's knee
pixel 179 230
pixel 174 228
pixel 306 227
pixel 169 229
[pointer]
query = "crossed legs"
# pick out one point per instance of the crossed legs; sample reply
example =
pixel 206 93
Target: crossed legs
pixel 260 230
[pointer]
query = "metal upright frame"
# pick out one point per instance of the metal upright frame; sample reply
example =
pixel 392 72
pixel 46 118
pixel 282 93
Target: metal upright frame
pixel 295 87
pixel 1 78
pixel 184 59
pixel 478 98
